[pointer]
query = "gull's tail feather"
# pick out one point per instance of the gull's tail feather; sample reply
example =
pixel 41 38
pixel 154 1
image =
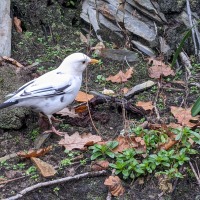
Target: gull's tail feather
pixel 7 104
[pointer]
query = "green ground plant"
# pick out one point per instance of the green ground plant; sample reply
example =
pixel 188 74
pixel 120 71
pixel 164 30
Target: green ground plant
pixel 103 151
pixel 132 163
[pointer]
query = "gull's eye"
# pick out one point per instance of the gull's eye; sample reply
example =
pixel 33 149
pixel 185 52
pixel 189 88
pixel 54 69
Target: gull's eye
pixel 84 62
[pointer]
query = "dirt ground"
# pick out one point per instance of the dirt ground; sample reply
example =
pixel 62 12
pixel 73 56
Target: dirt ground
pixel 51 32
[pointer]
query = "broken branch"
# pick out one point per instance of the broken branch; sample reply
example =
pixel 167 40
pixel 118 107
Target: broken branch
pixel 58 181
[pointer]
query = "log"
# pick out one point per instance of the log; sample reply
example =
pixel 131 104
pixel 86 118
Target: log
pixel 5 28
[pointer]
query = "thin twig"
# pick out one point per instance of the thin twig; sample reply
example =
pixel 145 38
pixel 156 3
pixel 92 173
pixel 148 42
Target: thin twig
pixel 11 180
pixel 176 180
pixel 191 25
pixel 58 181
pixel 7 157
pixel 196 175
pixel 109 196
pixel 156 98
pixel 186 62
pixel 195 84
pixel 89 112
pixel 197 36
pixel 173 89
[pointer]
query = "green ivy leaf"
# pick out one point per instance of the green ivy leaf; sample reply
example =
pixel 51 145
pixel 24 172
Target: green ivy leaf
pixel 110 154
pixel 112 144
pixel 125 173
pixel 166 164
pixel 96 155
pixel 113 165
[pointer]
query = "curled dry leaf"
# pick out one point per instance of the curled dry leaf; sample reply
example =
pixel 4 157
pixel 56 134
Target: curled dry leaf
pixel 159 69
pixel 108 92
pixel 81 108
pixel 145 105
pixel 34 153
pixel 13 61
pixel 17 23
pixel 99 165
pixel 83 97
pixel 127 142
pixel 2 181
pixel 68 112
pixel 115 186
pixel 83 38
pixel 44 168
pixel 169 144
pixel 98 48
pixel 124 90
pixel 183 116
pixel 174 125
pixel 77 141
pixel 121 77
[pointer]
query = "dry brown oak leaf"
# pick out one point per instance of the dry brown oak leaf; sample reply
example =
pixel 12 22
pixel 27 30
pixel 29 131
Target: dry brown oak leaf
pixel 45 168
pixel 77 141
pixel 68 112
pixel 183 116
pixel 121 77
pixel 127 142
pixel 83 97
pixel 145 105
pixel 99 165
pixel 159 69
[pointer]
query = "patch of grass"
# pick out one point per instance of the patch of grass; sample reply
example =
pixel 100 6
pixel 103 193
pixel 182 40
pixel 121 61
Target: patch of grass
pixel 100 79
pixel 31 170
pixel 4 164
pixel 19 166
pixel 56 190
pixel 84 161
pixel 64 127
pixel 65 162
pixel 35 177
pixel 69 159
pixel 34 133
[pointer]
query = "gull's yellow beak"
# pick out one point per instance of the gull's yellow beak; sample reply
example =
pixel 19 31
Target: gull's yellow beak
pixel 94 61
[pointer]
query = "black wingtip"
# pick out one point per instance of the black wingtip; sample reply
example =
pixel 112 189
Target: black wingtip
pixel 7 104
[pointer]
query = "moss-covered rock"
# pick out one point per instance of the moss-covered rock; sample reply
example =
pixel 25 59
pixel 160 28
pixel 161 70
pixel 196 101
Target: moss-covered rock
pixel 10 80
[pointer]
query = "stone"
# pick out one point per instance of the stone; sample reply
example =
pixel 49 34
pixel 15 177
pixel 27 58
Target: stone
pixel 145 49
pixel 120 55
pixel 11 118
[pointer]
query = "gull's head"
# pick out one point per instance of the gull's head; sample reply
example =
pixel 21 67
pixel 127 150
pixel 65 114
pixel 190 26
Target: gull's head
pixel 76 63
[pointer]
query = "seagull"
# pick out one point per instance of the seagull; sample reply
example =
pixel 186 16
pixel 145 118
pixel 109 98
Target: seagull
pixel 54 90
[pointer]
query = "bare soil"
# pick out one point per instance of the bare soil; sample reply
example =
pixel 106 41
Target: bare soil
pixel 50 34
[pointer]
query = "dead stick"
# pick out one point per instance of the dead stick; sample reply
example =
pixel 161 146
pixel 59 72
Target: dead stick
pixel 197 177
pixel 58 181
pixel 123 103
pixel 10 180
pixel 109 196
